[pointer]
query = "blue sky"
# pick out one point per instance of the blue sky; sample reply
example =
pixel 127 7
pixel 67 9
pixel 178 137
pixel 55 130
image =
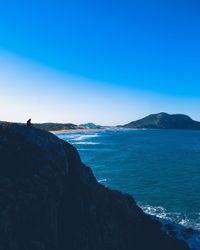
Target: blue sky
pixel 108 62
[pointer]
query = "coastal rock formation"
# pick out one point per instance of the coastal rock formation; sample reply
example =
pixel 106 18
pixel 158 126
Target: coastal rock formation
pixel 49 200
pixel 164 121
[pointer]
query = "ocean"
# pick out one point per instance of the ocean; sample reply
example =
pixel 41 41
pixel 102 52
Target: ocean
pixel 159 168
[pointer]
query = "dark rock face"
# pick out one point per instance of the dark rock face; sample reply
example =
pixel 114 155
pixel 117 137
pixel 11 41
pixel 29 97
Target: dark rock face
pixel 165 121
pixel 49 200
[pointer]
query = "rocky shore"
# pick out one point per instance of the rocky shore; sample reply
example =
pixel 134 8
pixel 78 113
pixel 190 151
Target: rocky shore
pixel 49 200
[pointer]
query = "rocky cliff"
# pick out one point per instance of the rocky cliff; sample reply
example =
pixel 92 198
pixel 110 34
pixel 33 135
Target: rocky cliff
pixel 49 200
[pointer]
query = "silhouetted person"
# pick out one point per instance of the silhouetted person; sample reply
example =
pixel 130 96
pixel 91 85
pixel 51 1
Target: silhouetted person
pixel 29 124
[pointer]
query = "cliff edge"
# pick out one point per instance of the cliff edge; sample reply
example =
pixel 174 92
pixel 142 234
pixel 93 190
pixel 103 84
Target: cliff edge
pixel 49 200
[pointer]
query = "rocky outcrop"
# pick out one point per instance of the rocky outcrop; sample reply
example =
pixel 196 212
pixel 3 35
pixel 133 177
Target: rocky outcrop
pixel 165 121
pixel 49 200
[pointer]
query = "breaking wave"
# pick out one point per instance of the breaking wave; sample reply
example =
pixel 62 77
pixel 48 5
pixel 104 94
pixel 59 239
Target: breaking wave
pixel 102 180
pixel 177 225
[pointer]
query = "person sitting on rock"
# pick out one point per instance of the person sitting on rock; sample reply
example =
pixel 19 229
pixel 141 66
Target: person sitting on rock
pixel 28 123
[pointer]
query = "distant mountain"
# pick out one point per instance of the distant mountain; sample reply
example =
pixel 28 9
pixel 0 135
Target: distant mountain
pixel 164 121
pixel 89 124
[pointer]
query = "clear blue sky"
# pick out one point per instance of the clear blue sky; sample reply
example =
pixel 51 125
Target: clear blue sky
pixel 103 61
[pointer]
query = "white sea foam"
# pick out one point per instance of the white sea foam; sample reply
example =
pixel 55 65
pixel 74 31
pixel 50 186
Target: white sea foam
pixel 178 218
pixel 174 225
pixel 85 149
pixel 77 138
pixel 102 180
pixel 68 136
pixel 85 143
pixel 84 136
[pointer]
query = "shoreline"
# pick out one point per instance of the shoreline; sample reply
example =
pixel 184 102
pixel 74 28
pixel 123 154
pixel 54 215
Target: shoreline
pixel 75 130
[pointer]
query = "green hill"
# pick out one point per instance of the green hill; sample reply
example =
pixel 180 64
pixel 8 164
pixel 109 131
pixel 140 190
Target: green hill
pixel 164 121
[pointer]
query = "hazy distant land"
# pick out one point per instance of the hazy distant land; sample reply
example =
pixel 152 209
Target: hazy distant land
pixel 153 121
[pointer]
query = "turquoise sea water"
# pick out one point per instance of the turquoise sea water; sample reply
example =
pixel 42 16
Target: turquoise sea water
pixel 159 168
